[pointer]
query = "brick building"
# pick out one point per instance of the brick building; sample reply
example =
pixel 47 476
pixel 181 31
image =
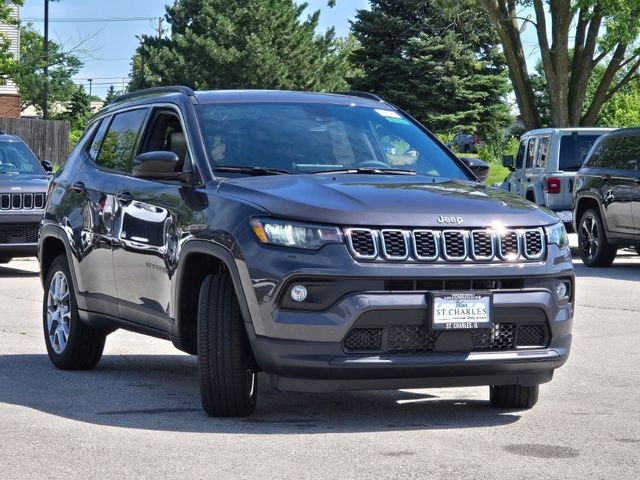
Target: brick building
pixel 9 96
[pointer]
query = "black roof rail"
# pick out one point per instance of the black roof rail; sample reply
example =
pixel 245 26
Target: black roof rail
pixel 370 96
pixel 150 91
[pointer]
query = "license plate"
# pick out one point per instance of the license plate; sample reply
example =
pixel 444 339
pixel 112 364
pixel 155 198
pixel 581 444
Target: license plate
pixel 460 310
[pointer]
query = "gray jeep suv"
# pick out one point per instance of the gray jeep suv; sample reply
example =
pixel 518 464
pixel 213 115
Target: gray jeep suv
pixel 270 231
pixel 23 186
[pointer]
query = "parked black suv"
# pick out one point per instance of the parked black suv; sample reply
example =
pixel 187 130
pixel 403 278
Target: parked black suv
pixel 270 231
pixel 23 185
pixel 607 198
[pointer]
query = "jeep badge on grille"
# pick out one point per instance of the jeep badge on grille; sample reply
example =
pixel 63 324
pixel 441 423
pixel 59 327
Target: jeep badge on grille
pixel 443 219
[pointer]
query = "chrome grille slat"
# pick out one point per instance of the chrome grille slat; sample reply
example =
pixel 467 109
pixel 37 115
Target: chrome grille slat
pixel 449 245
pixel 454 245
pixel 22 201
pixel 394 244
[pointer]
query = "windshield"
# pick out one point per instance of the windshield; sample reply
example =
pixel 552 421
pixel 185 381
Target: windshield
pixel 314 138
pixel 15 157
pixel 574 149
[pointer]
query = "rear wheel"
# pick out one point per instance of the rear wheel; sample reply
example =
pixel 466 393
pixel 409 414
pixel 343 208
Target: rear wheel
pixel 228 377
pixel 595 250
pixel 513 396
pixel 71 344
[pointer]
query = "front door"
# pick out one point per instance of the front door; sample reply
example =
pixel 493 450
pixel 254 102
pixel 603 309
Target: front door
pixel 149 218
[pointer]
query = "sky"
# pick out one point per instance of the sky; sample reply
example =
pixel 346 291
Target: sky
pixel 109 46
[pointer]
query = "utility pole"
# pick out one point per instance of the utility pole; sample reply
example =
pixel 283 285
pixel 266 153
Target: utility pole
pixel 45 99
pixel 90 85
pixel 143 83
pixel 160 30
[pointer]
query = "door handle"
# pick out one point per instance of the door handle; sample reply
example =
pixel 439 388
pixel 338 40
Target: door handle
pixel 78 187
pixel 124 198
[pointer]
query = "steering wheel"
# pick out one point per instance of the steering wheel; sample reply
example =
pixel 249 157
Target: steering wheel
pixel 372 164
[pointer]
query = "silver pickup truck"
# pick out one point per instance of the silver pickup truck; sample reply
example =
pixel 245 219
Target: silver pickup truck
pixel 546 164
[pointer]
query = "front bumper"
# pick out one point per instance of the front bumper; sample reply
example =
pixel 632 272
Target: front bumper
pixel 19 233
pixel 304 349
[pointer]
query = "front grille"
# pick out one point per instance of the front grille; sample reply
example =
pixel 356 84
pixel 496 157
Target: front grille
pixel 363 339
pixel 420 285
pixel 394 245
pixel 12 233
pixel 412 339
pixel 21 201
pixel 362 243
pixel 446 245
pixel 533 244
pixel 531 335
pixel 454 245
pixel 499 337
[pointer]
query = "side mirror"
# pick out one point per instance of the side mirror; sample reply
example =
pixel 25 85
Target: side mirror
pixel 161 165
pixel 507 161
pixel 479 168
pixel 47 165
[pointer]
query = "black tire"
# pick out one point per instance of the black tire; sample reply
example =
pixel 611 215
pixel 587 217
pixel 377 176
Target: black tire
pixel 595 250
pixel 513 396
pixel 5 260
pixel 84 345
pixel 228 377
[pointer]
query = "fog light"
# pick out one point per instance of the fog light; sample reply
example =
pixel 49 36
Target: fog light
pixel 298 293
pixel 562 290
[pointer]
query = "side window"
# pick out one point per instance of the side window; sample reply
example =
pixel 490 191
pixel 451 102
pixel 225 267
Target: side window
pixel 165 133
pixel 607 157
pixel 543 152
pixel 531 150
pixel 629 154
pixel 94 147
pixel 520 154
pixel 119 145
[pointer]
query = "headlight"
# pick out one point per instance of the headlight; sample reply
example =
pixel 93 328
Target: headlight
pixel 294 234
pixel 557 234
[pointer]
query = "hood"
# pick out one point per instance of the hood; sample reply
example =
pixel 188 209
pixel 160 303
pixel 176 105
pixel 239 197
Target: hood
pixel 386 200
pixel 23 183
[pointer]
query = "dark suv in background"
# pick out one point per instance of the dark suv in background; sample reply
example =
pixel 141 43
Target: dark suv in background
pixel 23 186
pixel 278 232
pixel 607 198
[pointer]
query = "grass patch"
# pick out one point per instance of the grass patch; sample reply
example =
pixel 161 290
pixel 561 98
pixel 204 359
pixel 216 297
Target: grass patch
pixel 497 174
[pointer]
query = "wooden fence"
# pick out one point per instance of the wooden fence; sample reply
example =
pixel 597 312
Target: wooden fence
pixel 48 139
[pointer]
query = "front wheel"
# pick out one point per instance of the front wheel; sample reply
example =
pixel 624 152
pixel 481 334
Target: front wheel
pixel 513 396
pixel 228 376
pixel 71 344
pixel 595 250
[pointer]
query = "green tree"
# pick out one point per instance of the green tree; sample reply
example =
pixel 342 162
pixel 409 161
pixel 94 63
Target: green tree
pixel 78 109
pixel 29 74
pixel 440 64
pixel 601 33
pixel 623 110
pixel 7 61
pixel 112 94
pixel 242 44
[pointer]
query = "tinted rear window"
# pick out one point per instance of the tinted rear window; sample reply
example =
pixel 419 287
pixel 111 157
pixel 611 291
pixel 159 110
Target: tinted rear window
pixel 629 154
pixel 574 150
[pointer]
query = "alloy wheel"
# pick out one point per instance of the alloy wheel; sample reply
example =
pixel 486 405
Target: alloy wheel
pixel 589 236
pixel 58 312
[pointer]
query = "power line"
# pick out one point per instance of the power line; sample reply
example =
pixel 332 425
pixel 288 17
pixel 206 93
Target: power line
pixel 90 19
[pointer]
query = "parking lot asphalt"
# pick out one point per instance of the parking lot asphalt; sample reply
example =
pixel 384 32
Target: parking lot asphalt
pixel 137 415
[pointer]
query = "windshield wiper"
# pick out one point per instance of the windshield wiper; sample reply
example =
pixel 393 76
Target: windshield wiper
pixel 251 170
pixel 370 171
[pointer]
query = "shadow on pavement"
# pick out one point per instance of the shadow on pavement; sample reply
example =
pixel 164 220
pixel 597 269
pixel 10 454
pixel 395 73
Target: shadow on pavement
pixel 625 267
pixel 12 272
pixel 160 392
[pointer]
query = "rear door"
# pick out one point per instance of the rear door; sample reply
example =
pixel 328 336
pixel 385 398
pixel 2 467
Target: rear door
pixel 615 188
pixel 629 167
